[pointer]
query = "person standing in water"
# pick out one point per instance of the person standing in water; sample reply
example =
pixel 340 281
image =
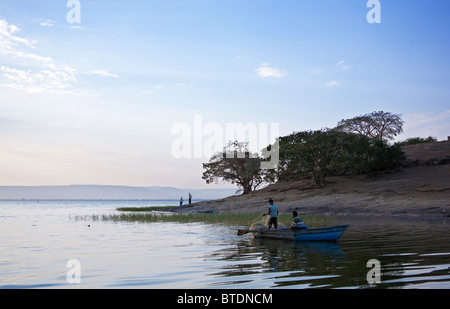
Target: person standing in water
pixel 273 213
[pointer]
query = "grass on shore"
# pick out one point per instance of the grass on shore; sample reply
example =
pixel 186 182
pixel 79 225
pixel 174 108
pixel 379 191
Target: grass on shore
pixel 151 208
pixel 147 216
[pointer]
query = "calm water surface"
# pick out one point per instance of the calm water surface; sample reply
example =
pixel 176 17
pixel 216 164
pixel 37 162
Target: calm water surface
pixel 37 239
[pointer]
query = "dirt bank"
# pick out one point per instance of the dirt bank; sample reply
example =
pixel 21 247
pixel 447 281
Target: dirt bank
pixel 422 188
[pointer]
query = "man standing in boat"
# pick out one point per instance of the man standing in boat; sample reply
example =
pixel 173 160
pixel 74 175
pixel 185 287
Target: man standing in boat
pixel 273 213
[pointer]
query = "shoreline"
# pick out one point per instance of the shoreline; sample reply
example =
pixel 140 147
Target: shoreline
pixel 414 192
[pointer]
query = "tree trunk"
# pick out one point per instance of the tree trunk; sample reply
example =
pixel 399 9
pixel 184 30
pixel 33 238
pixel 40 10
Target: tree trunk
pixel 246 187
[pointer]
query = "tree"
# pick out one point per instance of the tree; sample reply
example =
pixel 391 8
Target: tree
pixel 384 157
pixel 236 165
pixel 321 153
pixel 418 140
pixel 378 125
pixel 351 153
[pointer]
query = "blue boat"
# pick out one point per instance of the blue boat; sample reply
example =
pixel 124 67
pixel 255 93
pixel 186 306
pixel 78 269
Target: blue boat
pixel 320 234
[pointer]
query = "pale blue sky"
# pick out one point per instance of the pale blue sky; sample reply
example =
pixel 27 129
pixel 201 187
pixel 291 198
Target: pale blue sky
pixel 95 102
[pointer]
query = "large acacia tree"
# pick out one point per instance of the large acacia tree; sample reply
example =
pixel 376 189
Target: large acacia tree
pixel 237 166
pixel 377 125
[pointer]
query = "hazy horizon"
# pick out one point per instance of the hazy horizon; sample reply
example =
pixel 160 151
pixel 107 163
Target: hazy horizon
pixel 109 192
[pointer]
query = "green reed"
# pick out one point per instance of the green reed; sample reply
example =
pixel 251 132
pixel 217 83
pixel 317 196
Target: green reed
pixel 207 218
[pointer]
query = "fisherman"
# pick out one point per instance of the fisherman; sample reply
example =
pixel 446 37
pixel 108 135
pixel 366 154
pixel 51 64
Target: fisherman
pixel 273 213
pixel 298 222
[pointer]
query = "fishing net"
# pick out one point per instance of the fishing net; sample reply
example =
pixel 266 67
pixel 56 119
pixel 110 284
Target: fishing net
pixel 257 227
pixel 263 224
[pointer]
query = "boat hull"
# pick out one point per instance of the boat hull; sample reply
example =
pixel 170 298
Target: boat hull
pixel 321 234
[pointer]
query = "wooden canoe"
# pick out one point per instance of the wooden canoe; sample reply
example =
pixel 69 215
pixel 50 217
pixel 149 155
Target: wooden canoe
pixel 320 234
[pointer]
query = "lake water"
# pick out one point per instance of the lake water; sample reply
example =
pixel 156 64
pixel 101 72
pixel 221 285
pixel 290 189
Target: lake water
pixel 39 241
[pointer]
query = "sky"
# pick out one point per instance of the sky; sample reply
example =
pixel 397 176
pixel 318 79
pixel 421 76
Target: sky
pixel 125 92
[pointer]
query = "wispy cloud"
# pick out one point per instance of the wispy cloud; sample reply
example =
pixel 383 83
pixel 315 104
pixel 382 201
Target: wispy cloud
pixel 80 28
pixel 332 83
pixel 47 23
pixel 342 65
pixel 266 71
pixel 9 40
pixel 104 73
pixel 42 74
pixel 43 81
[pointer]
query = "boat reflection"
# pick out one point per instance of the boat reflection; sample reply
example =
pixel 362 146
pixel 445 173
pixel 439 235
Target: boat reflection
pixel 280 263
pixel 290 255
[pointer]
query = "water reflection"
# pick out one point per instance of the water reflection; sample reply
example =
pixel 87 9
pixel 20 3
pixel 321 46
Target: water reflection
pixel 283 263
pixel 37 241
pixel 411 254
pixel 302 261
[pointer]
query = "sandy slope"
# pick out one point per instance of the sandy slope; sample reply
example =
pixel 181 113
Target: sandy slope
pixel 421 189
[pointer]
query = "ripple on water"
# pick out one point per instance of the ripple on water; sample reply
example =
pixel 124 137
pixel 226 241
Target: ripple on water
pixel 36 241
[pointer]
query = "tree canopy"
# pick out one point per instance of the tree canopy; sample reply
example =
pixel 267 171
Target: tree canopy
pixel 237 166
pixel 356 146
pixel 378 125
pixel 320 153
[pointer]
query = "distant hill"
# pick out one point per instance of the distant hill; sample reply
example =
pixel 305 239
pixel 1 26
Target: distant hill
pixel 100 192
